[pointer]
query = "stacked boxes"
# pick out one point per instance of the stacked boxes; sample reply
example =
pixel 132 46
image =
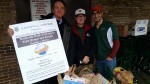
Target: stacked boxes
pixel 122 30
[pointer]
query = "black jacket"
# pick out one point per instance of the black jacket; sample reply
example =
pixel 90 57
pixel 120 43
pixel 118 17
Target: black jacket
pixel 85 46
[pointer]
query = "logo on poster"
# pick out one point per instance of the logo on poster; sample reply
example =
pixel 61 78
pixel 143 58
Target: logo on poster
pixel 41 48
pixel 141 29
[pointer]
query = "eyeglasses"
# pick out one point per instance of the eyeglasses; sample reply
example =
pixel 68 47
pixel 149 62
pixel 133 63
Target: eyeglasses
pixel 97 13
pixel 80 16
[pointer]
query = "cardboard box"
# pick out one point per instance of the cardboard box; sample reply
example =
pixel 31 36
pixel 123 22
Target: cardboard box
pixel 74 80
pixel 123 30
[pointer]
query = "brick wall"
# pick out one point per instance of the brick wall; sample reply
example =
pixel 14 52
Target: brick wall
pixel 7 17
pixel 9 68
pixel 118 11
pixel 125 11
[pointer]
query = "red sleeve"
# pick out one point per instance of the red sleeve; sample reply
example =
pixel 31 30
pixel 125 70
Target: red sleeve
pixel 115 48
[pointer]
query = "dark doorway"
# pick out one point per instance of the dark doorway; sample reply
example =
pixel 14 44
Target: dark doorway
pixel 23 11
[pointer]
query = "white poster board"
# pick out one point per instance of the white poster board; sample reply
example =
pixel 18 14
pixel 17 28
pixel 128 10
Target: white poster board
pixel 140 28
pixel 39 50
pixel 39 7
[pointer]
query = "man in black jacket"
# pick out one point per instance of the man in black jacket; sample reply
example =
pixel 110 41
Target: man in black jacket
pixel 58 11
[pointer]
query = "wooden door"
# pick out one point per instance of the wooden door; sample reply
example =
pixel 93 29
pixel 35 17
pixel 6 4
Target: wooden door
pixel 23 11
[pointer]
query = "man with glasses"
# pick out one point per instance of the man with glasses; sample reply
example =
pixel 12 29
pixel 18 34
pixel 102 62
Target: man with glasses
pixel 107 41
pixel 86 41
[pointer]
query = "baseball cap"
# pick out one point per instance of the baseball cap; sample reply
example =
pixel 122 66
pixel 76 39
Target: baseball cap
pixel 97 8
pixel 80 11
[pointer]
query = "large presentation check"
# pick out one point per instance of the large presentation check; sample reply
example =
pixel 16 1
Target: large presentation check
pixel 39 50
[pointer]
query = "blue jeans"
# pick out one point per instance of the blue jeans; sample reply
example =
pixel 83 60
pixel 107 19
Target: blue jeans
pixel 106 68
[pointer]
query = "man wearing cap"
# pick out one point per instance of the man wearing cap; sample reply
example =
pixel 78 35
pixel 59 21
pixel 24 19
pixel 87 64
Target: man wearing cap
pixel 85 39
pixel 107 41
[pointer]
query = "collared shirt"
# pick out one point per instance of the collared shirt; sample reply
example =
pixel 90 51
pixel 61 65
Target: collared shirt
pixel 59 22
